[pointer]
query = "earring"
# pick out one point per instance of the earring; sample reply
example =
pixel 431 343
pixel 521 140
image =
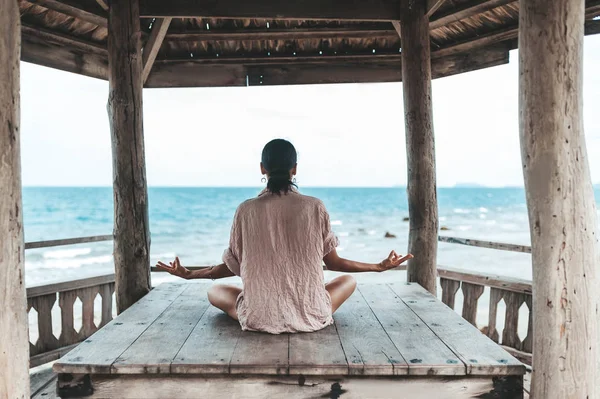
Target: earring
pixel 263 180
pixel 294 180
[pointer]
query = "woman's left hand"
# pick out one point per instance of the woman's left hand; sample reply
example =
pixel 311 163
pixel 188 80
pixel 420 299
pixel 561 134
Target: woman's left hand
pixel 392 261
pixel 175 268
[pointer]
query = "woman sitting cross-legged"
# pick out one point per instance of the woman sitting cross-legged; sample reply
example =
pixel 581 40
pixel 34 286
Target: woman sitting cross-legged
pixel 278 243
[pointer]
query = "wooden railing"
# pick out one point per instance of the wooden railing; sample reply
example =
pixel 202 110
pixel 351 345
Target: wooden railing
pixel 88 300
pixel 515 293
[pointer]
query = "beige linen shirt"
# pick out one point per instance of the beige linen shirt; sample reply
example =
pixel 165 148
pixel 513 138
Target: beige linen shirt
pixel 277 245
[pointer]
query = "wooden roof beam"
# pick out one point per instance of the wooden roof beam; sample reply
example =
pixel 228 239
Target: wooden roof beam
pixel 103 4
pixel 433 5
pixel 75 9
pixel 281 34
pixel 192 74
pixel 358 10
pixel 157 35
pixel 479 42
pixel 468 10
pixel 60 38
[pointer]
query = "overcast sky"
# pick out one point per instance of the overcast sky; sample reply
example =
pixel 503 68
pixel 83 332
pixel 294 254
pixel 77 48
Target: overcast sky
pixel 346 135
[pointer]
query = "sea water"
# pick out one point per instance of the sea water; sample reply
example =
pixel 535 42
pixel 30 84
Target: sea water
pixel 194 224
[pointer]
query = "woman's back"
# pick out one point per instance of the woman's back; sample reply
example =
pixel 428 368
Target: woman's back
pixel 277 246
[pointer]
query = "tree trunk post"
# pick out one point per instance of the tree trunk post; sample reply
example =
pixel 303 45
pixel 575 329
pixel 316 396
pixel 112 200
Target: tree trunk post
pixel 420 143
pixel 131 230
pixel 560 200
pixel 14 341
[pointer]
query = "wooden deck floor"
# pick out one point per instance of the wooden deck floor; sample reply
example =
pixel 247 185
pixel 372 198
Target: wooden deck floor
pixel 173 339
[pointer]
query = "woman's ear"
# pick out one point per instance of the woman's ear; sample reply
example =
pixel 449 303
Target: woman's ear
pixel 294 169
pixel 263 171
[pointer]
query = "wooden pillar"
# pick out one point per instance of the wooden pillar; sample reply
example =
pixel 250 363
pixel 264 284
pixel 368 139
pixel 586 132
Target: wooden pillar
pixel 14 340
pixel 420 146
pixel 560 200
pixel 131 231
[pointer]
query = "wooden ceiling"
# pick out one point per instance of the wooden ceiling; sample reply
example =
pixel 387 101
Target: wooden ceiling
pixel 267 42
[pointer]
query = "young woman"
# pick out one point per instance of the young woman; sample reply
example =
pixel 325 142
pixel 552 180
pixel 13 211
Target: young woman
pixel 278 243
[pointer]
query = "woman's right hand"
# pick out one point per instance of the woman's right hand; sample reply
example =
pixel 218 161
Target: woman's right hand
pixel 392 261
pixel 175 268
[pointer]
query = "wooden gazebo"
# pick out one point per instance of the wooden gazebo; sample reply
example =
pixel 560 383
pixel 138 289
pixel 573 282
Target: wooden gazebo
pixel 136 44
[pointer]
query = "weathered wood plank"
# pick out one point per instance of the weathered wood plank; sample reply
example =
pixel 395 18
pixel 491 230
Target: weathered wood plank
pixel 157 35
pixel 127 387
pixel 46 341
pixel 510 334
pixel 154 350
pixel 449 289
pixel 317 353
pixel 560 200
pixel 433 6
pixel 106 291
pixel 50 356
pixel 41 379
pixel 368 349
pixel 114 338
pixel 87 296
pixel 420 144
pixel 65 58
pixel 61 38
pixel 489 280
pixel 424 352
pixel 486 244
pixel 14 340
pixel 69 285
pixel 281 34
pixel 481 355
pixel 259 353
pixel 210 346
pixel 495 297
pixel 471 294
pixel 125 114
pixel 371 10
pixel 66 241
pixel 66 301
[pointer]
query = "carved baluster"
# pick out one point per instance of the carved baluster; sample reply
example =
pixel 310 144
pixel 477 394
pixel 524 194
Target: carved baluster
pixel 510 336
pixel 32 349
pixel 68 335
pixel 495 297
pixel 471 293
pixel 87 296
pixel 43 305
pixel 449 289
pixel 106 291
pixel 528 341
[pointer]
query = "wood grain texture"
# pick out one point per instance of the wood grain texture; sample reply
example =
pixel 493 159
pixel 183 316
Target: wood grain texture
pixel 481 355
pixel 131 227
pixel 449 289
pixel 420 144
pixel 64 285
pixel 560 200
pixel 368 348
pixel 97 353
pixel 14 342
pixel 317 353
pixel 86 11
pixel 466 10
pixel 259 353
pixel 154 350
pixel 486 244
pixel 209 348
pixel 128 387
pixel 423 351
pixel 67 241
pixel 471 294
pixel 503 283
pixel 495 297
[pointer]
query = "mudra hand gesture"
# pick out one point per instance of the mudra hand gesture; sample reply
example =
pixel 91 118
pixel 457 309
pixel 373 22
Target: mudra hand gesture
pixel 392 261
pixel 174 268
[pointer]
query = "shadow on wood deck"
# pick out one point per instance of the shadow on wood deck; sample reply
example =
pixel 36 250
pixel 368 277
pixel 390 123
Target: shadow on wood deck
pixel 389 340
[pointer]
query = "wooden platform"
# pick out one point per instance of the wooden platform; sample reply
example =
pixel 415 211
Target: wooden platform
pixel 396 337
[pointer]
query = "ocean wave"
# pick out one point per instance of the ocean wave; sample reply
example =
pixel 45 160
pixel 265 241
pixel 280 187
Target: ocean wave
pixel 344 234
pixel 336 222
pixel 165 255
pixel 483 210
pixel 69 263
pixel 67 253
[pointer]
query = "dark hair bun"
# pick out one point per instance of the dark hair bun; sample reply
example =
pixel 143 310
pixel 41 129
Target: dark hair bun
pixel 279 157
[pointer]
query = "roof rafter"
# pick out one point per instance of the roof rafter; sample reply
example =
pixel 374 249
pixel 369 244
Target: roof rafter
pixel 468 10
pixel 157 35
pixel 73 8
pixel 281 34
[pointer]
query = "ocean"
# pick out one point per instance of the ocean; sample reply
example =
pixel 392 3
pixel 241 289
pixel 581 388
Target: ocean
pixel 194 224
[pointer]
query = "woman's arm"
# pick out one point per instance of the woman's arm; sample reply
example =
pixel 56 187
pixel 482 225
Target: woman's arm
pixel 208 272
pixel 335 263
